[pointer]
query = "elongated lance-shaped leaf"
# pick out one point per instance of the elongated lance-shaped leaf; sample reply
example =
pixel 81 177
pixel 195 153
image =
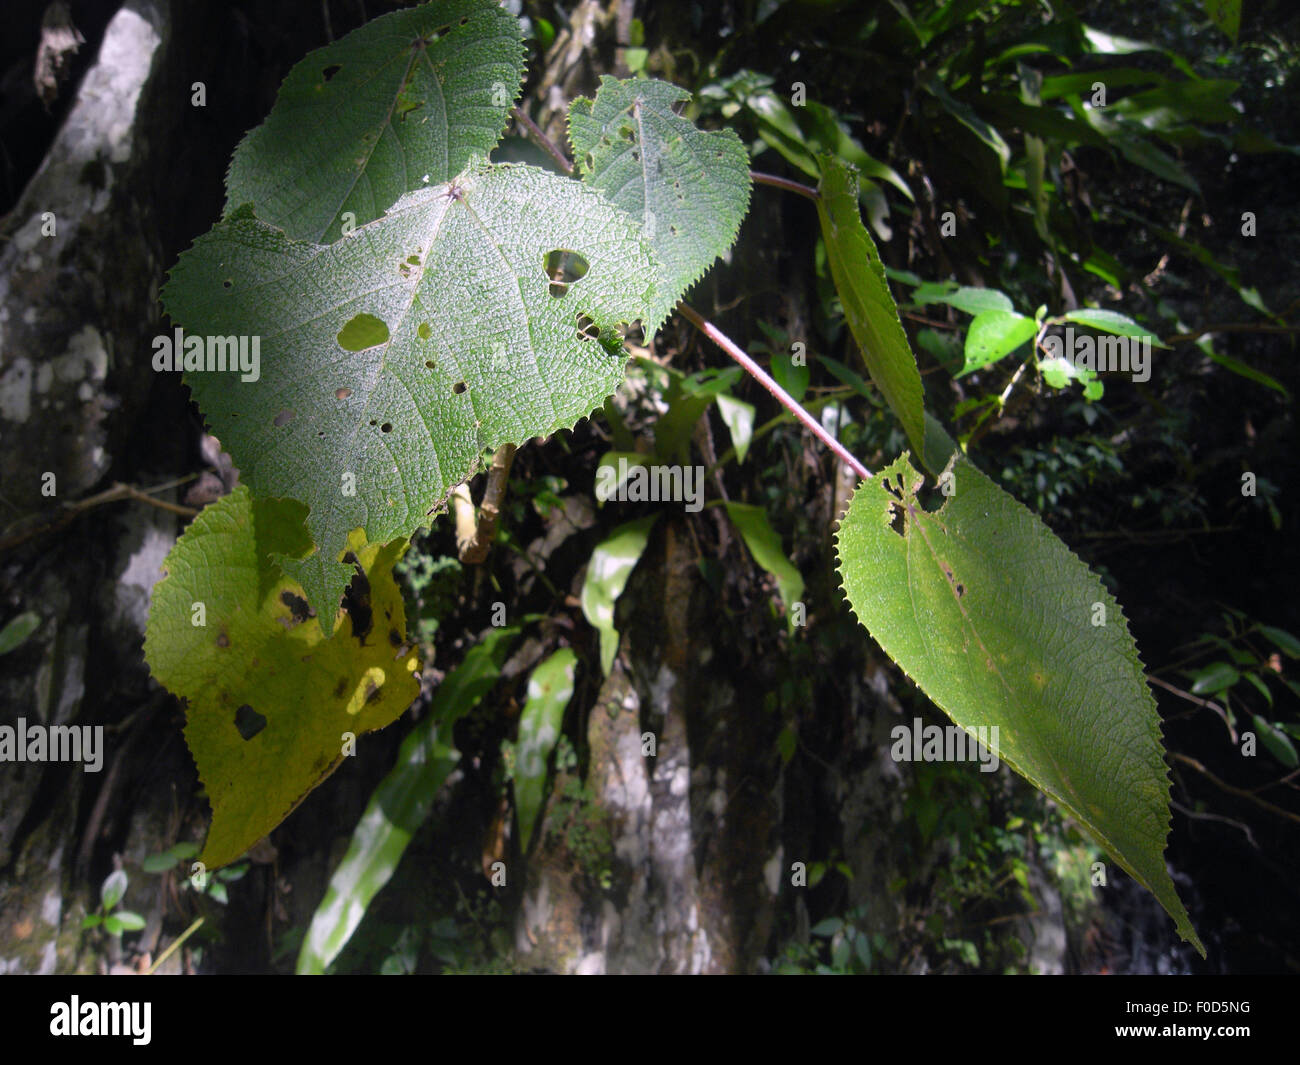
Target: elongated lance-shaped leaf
pixel 765 545
pixel 869 308
pixel 1002 626
pixel 391 360
pixel 549 690
pixel 608 570
pixel 270 699
pixel 687 188
pixel 400 803
pixel 403 102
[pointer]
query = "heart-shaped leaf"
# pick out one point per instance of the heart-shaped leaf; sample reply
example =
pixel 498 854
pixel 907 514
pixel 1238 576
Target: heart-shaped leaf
pixel 390 361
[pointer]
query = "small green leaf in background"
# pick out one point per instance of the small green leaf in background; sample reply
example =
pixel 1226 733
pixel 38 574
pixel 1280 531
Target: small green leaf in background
pixel 621 465
pixel 738 417
pixel 968 299
pixel 15 633
pixel 1216 677
pixel 765 546
pixel 869 307
pixel 1226 14
pixel 160 863
pixel 405 101
pixel 112 889
pixel 1276 742
pixel 1287 643
pixel 549 690
pixel 1234 365
pixel 123 921
pixel 967 117
pixel 790 375
pixel 400 803
pixel 1058 372
pixel 1112 322
pixel 688 396
pixel 992 616
pixel 994 335
pixel 687 188
pixel 269 697
pixel 608 570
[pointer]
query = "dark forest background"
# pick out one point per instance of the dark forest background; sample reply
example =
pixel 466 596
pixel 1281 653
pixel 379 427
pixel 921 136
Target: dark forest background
pixel 916 868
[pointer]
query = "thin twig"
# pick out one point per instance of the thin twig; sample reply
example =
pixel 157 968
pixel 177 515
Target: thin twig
pixel 1241 793
pixel 194 927
pixel 535 131
pixel 115 494
pixel 1207 703
pixel 782 396
pixel 1198 815
pixel 1006 392
pixel 759 178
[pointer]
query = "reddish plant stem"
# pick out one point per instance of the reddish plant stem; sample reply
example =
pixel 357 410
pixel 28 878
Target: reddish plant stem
pixel 784 183
pixel 782 396
pixel 535 131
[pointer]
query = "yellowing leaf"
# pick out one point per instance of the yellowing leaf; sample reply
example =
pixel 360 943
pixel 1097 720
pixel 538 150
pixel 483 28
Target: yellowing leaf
pixel 271 701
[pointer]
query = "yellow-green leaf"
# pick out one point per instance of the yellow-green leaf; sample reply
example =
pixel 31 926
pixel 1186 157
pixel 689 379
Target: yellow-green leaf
pixel 272 704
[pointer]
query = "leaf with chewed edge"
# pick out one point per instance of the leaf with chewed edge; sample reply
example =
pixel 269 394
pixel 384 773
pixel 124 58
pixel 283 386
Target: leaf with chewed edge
pixel 269 697
pixel 391 361
pixel 406 100
pixel 686 187
pixel 1001 625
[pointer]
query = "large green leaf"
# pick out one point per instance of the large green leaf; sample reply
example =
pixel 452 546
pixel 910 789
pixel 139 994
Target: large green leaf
pixel 687 188
pixel 1000 624
pixel 400 803
pixel 391 360
pixel 405 101
pixel 270 698
pixel 869 308
pixel 549 690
